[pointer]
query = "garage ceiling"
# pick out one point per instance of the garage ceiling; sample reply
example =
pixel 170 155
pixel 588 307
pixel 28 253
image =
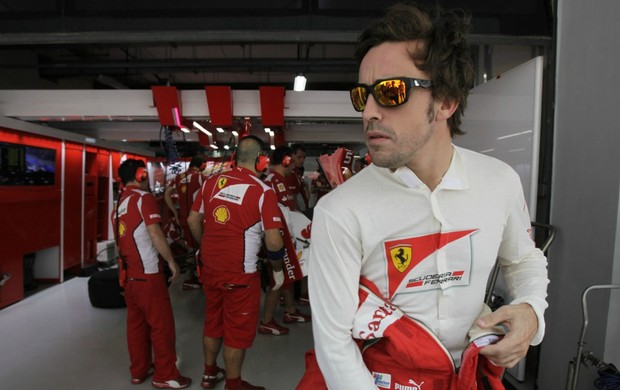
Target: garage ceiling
pixel 134 44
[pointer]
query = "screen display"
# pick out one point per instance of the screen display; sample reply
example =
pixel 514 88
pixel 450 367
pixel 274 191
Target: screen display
pixel 22 165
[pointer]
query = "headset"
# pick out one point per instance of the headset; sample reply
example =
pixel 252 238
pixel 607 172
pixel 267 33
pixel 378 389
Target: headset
pixel 283 155
pixel 141 174
pixel 131 170
pixel 286 160
pixel 261 164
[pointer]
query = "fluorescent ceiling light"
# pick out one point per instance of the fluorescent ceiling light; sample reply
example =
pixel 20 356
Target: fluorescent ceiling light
pixel 185 129
pixel 234 132
pixel 300 83
pixel 219 129
pixel 197 125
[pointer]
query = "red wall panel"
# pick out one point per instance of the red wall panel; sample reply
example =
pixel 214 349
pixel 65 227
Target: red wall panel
pixel 13 289
pixel 30 217
pixel 103 163
pixel 74 178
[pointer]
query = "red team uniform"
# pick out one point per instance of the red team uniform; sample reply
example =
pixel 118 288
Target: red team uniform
pixel 296 185
pixel 150 322
pixel 236 207
pixel 280 186
pixel 187 185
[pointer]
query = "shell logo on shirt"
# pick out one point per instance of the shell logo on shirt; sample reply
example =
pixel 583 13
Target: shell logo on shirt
pixel 221 214
pixel 221 182
pixel 401 257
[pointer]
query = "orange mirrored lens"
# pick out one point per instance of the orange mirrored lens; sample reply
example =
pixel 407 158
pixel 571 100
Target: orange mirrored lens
pixel 391 92
pixel 358 98
pixel 387 93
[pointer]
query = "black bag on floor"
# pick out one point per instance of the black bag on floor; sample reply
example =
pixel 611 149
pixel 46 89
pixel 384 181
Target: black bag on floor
pixel 104 290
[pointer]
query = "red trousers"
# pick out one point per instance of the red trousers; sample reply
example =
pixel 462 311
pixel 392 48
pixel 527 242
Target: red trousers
pixel 150 327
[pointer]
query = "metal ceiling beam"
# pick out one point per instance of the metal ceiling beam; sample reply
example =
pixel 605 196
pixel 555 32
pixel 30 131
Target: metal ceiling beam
pixel 189 37
pixel 233 65
pixel 225 37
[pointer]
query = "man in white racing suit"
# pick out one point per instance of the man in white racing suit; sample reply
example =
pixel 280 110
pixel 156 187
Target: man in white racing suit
pixel 426 221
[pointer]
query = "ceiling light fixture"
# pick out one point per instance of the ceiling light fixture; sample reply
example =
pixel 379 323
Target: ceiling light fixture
pixel 300 83
pixel 197 125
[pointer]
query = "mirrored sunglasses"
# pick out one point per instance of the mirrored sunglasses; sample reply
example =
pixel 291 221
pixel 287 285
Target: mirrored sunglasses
pixel 387 93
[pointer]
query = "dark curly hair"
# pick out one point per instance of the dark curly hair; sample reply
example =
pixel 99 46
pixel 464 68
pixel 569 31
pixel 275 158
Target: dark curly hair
pixel 445 54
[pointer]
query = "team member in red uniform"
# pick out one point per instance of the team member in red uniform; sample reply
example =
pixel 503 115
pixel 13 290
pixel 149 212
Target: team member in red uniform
pixel 186 185
pixel 150 322
pixel 295 181
pixel 300 191
pixel 173 234
pixel 231 214
pixel 281 168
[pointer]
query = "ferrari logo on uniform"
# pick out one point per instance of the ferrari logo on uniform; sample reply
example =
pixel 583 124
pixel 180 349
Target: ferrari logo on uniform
pixel 183 188
pixel 406 265
pixel 122 228
pixel 281 187
pixel 221 214
pixel 221 182
pixel 401 257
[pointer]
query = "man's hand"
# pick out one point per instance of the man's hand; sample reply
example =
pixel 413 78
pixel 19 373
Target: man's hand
pixel 278 279
pixel 174 268
pixel 521 323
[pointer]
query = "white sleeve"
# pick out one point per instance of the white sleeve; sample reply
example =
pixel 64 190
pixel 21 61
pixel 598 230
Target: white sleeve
pixel 524 267
pixel 334 271
pixel 286 212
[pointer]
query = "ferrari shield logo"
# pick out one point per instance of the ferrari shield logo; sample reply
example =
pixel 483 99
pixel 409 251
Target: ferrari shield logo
pixel 401 257
pixel 221 182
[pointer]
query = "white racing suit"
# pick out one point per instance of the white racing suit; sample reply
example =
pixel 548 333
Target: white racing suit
pixel 403 354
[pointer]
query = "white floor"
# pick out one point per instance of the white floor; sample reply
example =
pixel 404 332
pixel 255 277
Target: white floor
pixel 55 339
